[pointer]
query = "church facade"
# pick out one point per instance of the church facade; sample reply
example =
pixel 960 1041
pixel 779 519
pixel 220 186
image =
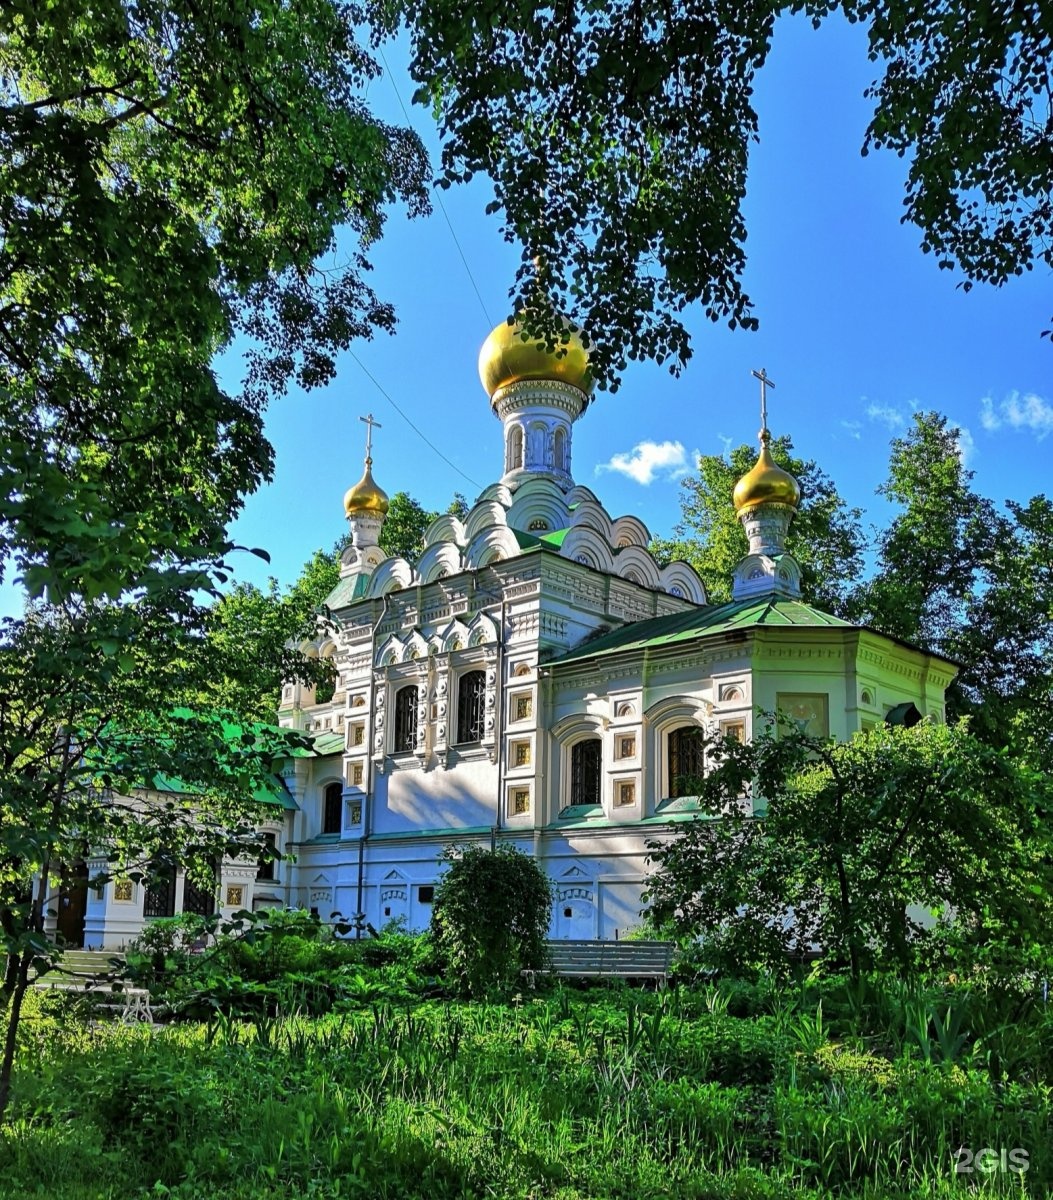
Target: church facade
pixel 537 679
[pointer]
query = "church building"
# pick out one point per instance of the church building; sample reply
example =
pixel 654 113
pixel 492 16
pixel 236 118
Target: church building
pixel 537 679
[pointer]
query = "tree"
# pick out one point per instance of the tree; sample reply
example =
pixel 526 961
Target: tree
pixel 92 712
pixel 407 522
pixel 171 176
pixel 957 576
pixel 491 915
pixel 617 137
pixel 825 536
pixel 850 842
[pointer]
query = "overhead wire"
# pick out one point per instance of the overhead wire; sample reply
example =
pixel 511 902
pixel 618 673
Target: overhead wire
pixel 423 437
pixel 475 287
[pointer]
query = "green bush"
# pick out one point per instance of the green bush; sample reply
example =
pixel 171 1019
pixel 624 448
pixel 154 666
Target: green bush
pixel 491 915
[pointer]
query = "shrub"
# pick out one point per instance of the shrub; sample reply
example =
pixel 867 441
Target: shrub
pixel 491 915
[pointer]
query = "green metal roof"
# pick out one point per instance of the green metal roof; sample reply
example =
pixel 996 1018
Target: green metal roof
pixel 704 622
pixel 555 538
pixel 328 743
pixel 347 591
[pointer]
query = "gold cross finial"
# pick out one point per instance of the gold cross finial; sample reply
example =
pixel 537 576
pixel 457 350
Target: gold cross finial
pixel 369 423
pixel 765 383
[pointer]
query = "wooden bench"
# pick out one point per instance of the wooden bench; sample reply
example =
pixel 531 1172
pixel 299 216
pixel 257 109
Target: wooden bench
pixel 132 1004
pixel 595 959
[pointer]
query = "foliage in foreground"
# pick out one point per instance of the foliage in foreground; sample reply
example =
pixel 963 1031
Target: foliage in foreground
pixel 841 1090
pixel 852 845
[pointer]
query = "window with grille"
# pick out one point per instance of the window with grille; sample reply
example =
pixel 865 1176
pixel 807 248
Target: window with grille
pixel 159 894
pixel 471 707
pixel 405 719
pixel 585 762
pixel 267 863
pixel 332 804
pixel 687 759
pixel 199 897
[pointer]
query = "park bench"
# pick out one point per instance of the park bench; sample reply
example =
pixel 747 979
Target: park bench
pixel 595 959
pixel 132 1005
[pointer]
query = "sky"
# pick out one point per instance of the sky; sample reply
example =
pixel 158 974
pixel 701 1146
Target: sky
pixel 858 329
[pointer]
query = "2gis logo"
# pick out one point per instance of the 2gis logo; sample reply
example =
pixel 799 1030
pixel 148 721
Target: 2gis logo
pixel 989 1160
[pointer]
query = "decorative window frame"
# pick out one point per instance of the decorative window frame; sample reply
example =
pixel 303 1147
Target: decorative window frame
pixel 515 744
pixel 323 786
pixel 514 697
pixel 514 793
pixel 661 719
pixel 568 733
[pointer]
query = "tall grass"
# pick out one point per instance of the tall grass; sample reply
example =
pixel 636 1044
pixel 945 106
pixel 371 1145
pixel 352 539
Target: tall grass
pixel 595 1094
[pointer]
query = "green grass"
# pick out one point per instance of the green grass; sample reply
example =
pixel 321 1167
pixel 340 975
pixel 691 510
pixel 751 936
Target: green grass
pixel 606 1093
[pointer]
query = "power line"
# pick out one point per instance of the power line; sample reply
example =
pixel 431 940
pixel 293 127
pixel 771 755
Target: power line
pixel 369 375
pixel 438 198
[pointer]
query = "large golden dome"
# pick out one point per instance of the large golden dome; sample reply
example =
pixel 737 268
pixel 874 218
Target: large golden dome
pixel 366 496
pixel 766 483
pixel 506 358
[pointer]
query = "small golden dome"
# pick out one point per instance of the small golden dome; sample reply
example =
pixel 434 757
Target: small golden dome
pixel 366 496
pixel 506 358
pixel 766 483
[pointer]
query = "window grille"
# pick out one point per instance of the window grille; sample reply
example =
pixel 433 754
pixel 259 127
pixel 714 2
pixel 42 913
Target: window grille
pixel 585 761
pixel 159 894
pixel 471 707
pixel 199 898
pixel 687 759
pixel 405 719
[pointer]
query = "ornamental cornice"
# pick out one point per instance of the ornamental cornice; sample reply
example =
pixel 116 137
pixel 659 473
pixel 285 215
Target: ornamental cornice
pixel 886 662
pixel 550 392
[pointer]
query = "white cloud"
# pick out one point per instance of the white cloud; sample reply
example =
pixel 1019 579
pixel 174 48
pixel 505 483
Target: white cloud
pixel 648 460
pixel 727 443
pixel 852 428
pixel 1018 411
pixel 887 415
pixel 966 445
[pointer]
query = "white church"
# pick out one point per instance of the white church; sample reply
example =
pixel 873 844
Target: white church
pixel 536 679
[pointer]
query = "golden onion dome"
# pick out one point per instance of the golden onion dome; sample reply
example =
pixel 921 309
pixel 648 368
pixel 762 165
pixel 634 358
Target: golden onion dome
pixel 507 358
pixel 366 497
pixel 766 483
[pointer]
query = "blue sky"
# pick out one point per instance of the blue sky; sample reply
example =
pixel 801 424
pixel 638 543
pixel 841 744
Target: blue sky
pixel 857 327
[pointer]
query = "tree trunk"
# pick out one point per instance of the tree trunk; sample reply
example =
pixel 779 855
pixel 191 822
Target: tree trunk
pixel 23 963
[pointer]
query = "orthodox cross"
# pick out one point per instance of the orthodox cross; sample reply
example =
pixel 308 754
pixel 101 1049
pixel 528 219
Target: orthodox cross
pixel 765 383
pixel 369 422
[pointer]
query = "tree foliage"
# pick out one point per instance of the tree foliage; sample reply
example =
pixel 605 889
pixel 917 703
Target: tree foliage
pixel 171 175
pixel 957 575
pixel 617 138
pixel 851 842
pixel 825 537
pixel 491 915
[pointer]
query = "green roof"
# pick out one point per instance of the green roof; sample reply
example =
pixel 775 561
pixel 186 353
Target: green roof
pixel 709 621
pixel 347 591
pixel 555 538
pixel 327 743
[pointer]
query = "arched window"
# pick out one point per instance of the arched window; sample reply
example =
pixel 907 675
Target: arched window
pixel 586 759
pixel 471 707
pixel 332 806
pixel 406 719
pixel 687 759
pixel 515 448
pixel 559 449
